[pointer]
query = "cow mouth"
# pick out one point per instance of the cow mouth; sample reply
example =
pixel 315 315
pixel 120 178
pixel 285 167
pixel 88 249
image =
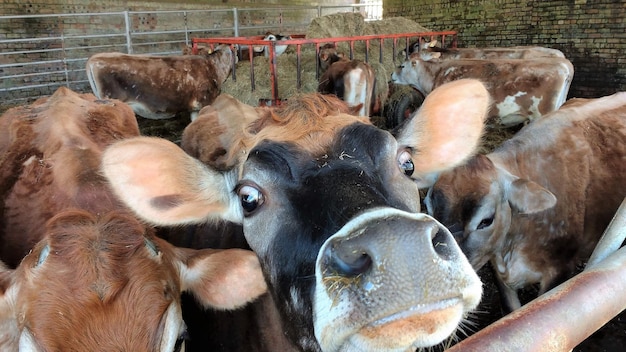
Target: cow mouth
pixel 419 326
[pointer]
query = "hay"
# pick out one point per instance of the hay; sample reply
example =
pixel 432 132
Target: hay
pixel 335 25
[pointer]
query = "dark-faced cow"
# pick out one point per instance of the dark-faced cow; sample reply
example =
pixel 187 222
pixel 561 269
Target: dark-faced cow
pixel 536 206
pixel 353 81
pixel 327 202
pixel 94 278
pixel 522 90
pixel 159 87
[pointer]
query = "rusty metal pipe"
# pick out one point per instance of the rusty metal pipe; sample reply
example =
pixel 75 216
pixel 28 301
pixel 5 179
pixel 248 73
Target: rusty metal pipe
pixel 563 317
pixel 612 238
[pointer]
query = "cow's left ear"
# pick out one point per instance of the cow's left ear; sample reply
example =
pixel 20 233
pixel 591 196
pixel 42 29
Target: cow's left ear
pixel 443 135
pixel 528 197
pixel 525 196
pixel 221 279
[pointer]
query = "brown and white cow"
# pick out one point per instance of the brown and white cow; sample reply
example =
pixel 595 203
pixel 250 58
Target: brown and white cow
pixel 93 277
pixel 522 90
pixel 489 53
pixel 327 202
pixel 353 81
pixel 159 87
pixel 536 206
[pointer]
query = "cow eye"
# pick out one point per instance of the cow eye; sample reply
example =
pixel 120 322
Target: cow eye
pixel 251 198
pixel 406 163
pixel 486 222
pixel 180 342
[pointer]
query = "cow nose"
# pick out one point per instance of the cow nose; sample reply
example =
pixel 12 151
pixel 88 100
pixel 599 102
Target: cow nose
pixel 347 260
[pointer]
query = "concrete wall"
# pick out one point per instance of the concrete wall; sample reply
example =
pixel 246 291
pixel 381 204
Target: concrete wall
pixel 591 33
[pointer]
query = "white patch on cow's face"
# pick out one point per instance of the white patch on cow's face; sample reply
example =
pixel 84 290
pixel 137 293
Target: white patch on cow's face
pixel 487 228
pixel 533 110
pixel 509 109
pixel 415 304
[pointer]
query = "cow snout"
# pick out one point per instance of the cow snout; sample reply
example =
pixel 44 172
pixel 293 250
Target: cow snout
pixel 385 276
pixel 382 247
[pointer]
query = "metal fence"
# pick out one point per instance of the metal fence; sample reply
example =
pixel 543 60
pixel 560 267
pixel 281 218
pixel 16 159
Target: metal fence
pixel 39 53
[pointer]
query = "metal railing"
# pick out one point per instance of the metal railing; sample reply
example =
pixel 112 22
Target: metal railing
pixel 35 62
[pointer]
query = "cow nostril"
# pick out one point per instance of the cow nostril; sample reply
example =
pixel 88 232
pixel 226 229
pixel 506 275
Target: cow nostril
pixel 442 243
pixel 347 262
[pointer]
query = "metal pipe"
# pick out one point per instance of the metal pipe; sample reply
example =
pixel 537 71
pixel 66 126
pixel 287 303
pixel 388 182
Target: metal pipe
pixel 561 318
pixel 612 238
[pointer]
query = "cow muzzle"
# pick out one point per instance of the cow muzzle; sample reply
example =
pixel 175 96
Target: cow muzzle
pixel 391 281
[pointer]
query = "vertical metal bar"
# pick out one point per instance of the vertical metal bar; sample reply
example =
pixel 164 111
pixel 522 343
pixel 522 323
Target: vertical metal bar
pixel 236 21
pixel 273 78
pixel 186 28
pixel 298 74
pixel 129 43
pixel 252 81
pixel 67 76
pixel 380 50
pixel 351 49
pixel 234 62
pixel 393 47
pixel 317 61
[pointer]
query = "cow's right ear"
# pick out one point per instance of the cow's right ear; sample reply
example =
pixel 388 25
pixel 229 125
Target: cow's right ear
pixel 221 278
pixel 447 129
pixel 165 186
pixel 218 134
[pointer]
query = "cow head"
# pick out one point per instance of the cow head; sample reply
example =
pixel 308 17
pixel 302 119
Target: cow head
pixel 476 202
pixel 328 55
pixel 328 203
pixel 107 283
pixel 414 71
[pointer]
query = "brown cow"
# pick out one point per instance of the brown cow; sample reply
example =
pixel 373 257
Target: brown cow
pixel 327 202
pixel 536 206
pixel 95 278
pixel 353 81
pixel 522 90
pixel 159 87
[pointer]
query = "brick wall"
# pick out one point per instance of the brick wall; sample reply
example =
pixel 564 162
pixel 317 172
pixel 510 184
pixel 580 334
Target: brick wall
pixel 591 33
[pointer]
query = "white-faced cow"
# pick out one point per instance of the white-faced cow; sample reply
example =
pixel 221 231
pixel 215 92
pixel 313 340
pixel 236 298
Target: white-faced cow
pixel 353 81
pixel 536 206
pixel 522 90
pixel 159 87
pixel 327 202
pixel 93 277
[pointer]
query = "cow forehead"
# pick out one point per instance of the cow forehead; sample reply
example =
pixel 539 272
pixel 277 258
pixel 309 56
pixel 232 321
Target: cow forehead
pixel 309 121
pixel 115 273
pixel 461 189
